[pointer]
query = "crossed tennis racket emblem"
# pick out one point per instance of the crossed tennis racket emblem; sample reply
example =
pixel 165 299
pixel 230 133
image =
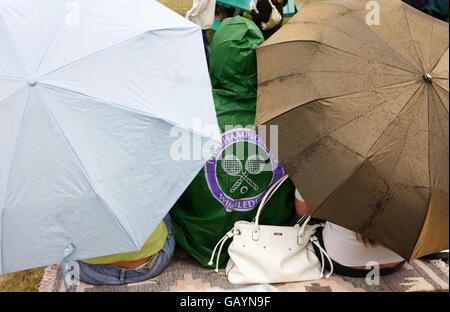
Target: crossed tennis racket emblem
pixel 233 167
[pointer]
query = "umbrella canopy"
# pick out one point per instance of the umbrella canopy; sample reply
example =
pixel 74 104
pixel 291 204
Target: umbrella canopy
pixel 90 95
pixel 362 115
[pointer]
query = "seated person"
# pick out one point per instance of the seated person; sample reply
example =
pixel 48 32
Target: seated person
pixel 350 251
pixel 132 267
pixel 217 197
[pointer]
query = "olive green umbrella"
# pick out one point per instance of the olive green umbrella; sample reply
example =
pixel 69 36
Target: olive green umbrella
pixel 361 106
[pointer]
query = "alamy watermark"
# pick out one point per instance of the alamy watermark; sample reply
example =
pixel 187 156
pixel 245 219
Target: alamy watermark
pixel 373 16
pixel 201 141
pixel 373 276
pixel 73 15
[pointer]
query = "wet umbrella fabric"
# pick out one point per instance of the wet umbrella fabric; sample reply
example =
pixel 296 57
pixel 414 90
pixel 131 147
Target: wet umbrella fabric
pixel 361 103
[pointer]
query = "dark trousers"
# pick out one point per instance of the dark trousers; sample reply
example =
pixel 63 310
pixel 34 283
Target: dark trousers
pixel 205 33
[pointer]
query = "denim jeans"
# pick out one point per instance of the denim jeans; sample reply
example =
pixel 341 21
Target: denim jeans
pixel 99 274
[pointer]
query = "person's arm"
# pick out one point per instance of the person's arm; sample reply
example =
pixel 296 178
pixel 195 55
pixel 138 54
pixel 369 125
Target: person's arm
pixel 197 7
pixel 264 9
pixel 300 207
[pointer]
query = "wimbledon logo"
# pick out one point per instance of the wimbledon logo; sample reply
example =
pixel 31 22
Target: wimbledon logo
pixel 241 170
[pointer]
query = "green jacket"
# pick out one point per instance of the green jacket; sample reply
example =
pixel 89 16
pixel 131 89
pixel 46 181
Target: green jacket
pixel 218 196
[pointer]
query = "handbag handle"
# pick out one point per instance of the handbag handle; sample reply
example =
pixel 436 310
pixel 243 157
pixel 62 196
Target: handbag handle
pixel 270 192
pixel 272 5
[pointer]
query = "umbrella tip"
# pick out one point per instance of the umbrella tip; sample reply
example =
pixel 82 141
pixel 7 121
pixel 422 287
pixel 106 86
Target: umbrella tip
pixel 428 77
pixel 32 82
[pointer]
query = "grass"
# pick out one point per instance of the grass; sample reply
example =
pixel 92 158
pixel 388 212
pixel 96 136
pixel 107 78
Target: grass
pixel 179 6
pixel 25 281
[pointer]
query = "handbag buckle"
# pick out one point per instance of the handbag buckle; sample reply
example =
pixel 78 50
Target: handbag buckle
pixel 255 233
pixel 301 238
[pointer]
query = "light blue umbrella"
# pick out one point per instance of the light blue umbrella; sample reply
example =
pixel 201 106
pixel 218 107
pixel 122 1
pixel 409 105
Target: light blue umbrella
pixel 94 95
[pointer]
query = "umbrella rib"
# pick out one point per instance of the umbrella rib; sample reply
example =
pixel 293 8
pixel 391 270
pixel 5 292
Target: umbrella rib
pixel 410 34
pixel 441 127
pixel 429 149
pixel 429 155
pixel 407 131
pixel 11 164
pixel 437 78
pixel 374 33
pixel 431 47
pixel 12 77
pixel 336 97
pixel 51 42
pixel 119 106
pixel 286 77
pixel 12 42
pixel 365 160
pixel 340 185
pixel 440 99
pixel 350 53
pixel 112 47
pixel 439 59
pixel 86 174
pixel 424 220
pixel 360 116
pixel 10 96
pixel 328 134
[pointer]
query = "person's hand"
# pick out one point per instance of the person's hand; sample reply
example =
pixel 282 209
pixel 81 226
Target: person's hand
pixel 252 6
pixel 300 208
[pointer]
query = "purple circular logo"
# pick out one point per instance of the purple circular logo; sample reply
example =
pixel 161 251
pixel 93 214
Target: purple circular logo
pixel 241 170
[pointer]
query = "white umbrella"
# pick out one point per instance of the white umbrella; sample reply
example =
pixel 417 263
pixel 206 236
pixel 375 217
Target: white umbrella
pixel 89 93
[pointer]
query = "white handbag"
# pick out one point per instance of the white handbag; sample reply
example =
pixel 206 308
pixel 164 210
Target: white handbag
pixel 272 254
pixel 274 19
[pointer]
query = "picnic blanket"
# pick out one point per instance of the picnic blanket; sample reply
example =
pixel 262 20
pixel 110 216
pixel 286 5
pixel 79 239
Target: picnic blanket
pixel 184 274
